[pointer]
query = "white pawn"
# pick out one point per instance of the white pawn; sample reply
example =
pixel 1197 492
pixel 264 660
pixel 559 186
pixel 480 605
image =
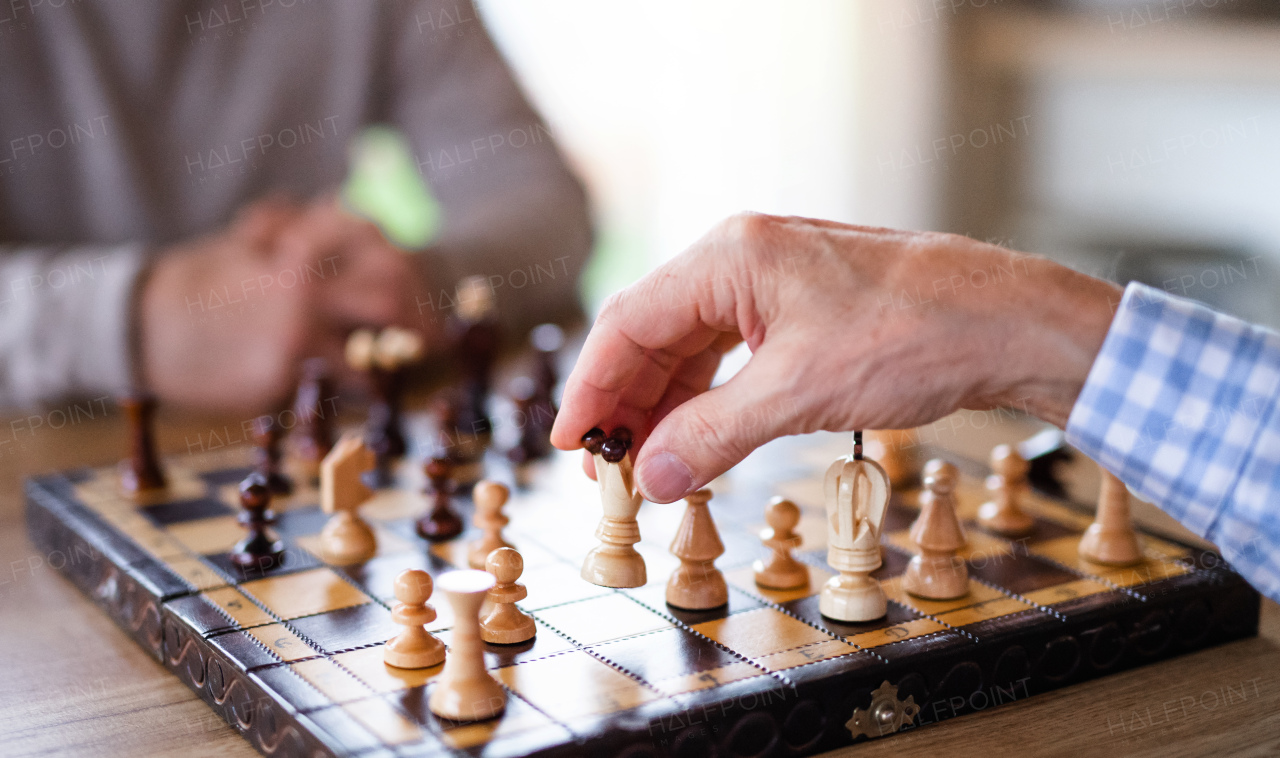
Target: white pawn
pixel 780 571
pixel 1111 539
pixel 415 647
pixel 506 624
pixel 936 572
pixel 489 498
pixel 857 496
pixel 1003 514
pixel 465 691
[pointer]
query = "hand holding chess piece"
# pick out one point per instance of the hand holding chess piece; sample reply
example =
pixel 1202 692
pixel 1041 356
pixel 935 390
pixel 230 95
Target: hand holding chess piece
pixel 697 585
pixel 936 572
pixel 615 562
pixel 506 624
pixel 141 473
pixel 346 538
pixel 261 548
pixel 465 691
pixel 489 498
pixel 781 571
pixel 1111 539
pixel 415 647
pixel 1004 514
pixel 857 495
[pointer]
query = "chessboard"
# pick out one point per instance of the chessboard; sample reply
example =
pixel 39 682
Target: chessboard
pixel 292 656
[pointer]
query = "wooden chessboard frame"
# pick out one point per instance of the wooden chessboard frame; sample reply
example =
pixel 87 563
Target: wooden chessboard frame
pixel 941 661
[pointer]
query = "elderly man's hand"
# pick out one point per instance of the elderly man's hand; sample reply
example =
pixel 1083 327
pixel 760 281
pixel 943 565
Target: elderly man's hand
pixel 849 328
pixel 226 320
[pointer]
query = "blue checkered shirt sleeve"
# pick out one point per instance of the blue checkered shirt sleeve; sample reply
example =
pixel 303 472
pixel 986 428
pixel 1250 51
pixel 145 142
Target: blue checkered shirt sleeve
pixel 1181 405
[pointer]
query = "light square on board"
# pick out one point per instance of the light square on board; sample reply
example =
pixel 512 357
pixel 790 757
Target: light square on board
pixel 238 606
pixel 1062 593
pixel 897 633
pixel 978 593
pixel 745 579
pixel 331 680
pixel 598 619
pixel 801 656
pixel 384 720
pixel 388 543
pixel 986 610
pixel 305 593
pixel 761 632
pixel 673 660
pixel 217 534
pixel 1067 552
pixel 196 572
pixel 574 684
pixel 368 666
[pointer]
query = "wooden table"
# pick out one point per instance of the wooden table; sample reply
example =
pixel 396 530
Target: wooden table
pixel 74 684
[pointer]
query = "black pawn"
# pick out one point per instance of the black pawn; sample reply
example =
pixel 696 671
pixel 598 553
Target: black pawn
pixel 534 421
pixel 441 522
pixel 267 436
pixel 260 548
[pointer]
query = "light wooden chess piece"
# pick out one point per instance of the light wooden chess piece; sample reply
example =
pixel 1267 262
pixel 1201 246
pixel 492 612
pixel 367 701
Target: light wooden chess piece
pixel 615 562
pixel 1004 514
pixel 856 491
pixel 781 571
pixel 465 691
pixel 415 647
pixel 1111 539
pixel 936 572
pixel 697 585
pixel 896 452
pixel 346 538
pixel 506 624
pixel 489 497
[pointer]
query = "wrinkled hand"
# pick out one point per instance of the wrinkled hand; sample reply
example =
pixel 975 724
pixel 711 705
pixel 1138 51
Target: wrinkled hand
pixel 226 320
pixel 849 328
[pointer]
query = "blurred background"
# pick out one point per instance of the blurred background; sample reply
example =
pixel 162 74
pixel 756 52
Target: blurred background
pixel 1129 139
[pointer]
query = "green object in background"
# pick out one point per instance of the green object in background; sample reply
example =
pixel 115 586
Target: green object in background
pixel 384 186
pixel 618 260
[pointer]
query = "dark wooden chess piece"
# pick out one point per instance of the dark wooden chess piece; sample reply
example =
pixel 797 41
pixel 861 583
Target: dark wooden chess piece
pixel 476 336
pixel 464 446
pixel 267 434
pixel 261 548
pixel 141 472
pixel 314 433
pixel 384 435
pixel 441 522
pixel 535 431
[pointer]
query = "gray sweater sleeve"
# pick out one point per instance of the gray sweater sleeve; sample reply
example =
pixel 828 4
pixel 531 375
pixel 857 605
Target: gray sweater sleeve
pixel 65 321
pixel 512 210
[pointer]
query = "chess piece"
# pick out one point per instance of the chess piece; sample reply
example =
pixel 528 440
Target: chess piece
pixel 896 452
pixel 313 436
pixel 141 472
pixel 346 538
pixel 260 548
pixel 1111 539
pixel 267 435
pixel 415 647
pixel 463 445
pixel 534 418
pixel 385 357
pixel 1004 514
pixel 441 522
pixel 465 691
pixel 489 497
pixel 936 572
pixel 506 624
pixel 781 571
pixel 697 585
pixel 615 562
pixel 856 492
pixel 476 336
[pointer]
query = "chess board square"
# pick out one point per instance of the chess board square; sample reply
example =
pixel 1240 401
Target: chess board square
pixel 1020 573
pixel 978 593
pixel 803 656
pixel 899 515
pixel 343 729
pixel 519 718
pixel 280 640
pixel 294 558
pixel 348 628
pixel 377 576
pixel 984 611
pixel 602 618
pixel 556 584
pixel 545 643
pixel 305 593
pixel 367 665
pixel 394 505
pixel 655 596
pixel 900 632
pixel 1152 569
pixel 1046 529
pixel 199 614
pixel 177 511
pixel 385 721
pixel 238 607
pixel 573 685
pixel 1062 593
pixel 287 687
pixel 807 609
pixel 220 476
pixel 745 579
pixel 197 573
pixel 331 680
pixel 389 544
pixel 671 658
pixel 208 535
pixel 244 650
pixel 299 522
pixel 761 632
